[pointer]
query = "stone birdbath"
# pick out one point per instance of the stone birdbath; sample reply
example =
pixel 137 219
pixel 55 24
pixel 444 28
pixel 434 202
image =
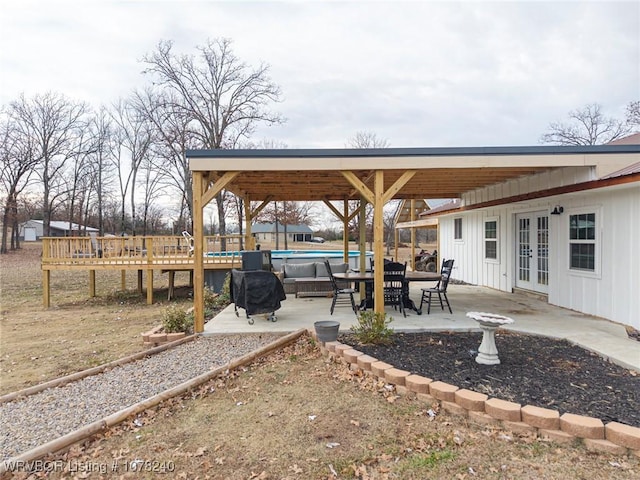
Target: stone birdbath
pixel 489 323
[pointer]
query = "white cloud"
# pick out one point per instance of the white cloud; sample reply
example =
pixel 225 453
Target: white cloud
pixel 415 73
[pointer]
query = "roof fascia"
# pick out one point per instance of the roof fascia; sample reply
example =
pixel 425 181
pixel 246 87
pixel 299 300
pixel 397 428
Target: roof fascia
pixel 547 159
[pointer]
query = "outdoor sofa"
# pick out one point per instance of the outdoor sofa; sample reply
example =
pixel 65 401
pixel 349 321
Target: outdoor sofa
pixel 309 279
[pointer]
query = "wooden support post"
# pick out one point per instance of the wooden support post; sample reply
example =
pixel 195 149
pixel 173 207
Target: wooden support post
pixel 92 283
pixel 46 275
pixel 362 240
pixel 439 259
pixel 140 282
pixel 345 231
pixel 378 242
pixel 396 239
pixel 198 261
pixel 46 288
pixel 149 286
pixel 149 246
pixel 123 280
pixel 413 235
pixel 172 280
pixel 249 241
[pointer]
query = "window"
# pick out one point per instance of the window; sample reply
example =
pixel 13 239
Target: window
pixel 491 239
pixel 582 242
pixel 457 229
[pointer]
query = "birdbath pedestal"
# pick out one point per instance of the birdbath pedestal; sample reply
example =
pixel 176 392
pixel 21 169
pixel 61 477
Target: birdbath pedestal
pixel 489 323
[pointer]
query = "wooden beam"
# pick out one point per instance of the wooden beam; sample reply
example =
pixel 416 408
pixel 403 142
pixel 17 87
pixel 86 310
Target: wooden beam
pixel 92 283
pixel 413 235
pixel 172 282
pixel 335 211
pixel 362 223
pixel 378 243
pixel 259 208
pixel 46 275
pixel 150 286
pixel 248 237
pixel 345 231
pixel 46 288
pixel 359 186
pixel 396 237
pixel 218 185
pixel 198 251
pixel 365 180
pixel 397 185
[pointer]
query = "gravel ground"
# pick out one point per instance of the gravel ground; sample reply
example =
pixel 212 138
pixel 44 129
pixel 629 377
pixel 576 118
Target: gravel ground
pixel 40 418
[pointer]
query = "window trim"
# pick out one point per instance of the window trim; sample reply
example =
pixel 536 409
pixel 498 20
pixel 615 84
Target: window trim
pixel 485 239
pixel 596 242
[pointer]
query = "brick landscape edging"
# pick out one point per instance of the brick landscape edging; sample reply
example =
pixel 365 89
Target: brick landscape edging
pixel 613 437
pixel 156 337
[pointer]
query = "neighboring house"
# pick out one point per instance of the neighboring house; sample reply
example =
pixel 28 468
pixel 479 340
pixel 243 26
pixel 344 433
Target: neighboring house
pixel 295 233
pixel 572 235
pixel 32 230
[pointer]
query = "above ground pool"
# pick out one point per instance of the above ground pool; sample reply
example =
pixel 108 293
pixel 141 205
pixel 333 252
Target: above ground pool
pixel 278 257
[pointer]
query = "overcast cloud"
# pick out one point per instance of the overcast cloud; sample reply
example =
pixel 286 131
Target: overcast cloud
pixel 415 73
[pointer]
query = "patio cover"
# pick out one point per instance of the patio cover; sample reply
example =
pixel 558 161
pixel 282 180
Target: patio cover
pixel 374 176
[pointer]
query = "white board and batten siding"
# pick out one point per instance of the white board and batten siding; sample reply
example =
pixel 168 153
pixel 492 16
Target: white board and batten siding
pixel 612 291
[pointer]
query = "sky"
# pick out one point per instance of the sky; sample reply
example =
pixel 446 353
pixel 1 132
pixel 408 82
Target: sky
pixel 416 74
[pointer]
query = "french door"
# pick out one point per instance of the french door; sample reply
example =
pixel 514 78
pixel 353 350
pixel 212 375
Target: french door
pixel 532 251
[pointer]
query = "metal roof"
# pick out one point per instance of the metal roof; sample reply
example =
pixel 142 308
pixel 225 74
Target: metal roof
pixel 415 151
pixel 321 174
pixel 271 228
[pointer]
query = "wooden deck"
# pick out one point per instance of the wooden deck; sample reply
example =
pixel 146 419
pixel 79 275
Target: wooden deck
pixel 149 253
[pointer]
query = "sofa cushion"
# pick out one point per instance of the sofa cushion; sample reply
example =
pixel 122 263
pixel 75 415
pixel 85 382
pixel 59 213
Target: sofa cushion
pixel 339 267
pixel 299 270
pixel 321 269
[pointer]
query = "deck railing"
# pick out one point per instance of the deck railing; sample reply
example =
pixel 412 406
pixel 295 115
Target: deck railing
pixel 157 249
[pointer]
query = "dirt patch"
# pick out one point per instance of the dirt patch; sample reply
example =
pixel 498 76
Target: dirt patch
pixel 534 370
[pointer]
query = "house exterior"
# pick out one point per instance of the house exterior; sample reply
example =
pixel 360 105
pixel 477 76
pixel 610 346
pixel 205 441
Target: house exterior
pixel 267 232
pixel 572 235
pixel 32 230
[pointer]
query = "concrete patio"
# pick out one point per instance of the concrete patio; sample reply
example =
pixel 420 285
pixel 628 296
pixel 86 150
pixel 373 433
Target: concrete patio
pixel 530 314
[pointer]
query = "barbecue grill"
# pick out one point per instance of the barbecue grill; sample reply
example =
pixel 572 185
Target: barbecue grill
pixel 257 292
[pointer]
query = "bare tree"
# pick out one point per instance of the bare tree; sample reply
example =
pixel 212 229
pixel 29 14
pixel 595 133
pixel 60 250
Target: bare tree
pixel 101 168
pixel 221 95
pixel 173 137
pixel 133 136
pixel 365 139
pixel 52 122
pixel 586 126
pixel 633 115
pixel 17 164
pixel 152 186
pixel 78 179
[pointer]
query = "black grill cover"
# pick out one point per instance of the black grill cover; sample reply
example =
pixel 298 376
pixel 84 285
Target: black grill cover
pixel 256 291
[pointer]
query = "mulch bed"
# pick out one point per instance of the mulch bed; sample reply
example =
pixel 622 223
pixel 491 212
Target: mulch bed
pixel 534 370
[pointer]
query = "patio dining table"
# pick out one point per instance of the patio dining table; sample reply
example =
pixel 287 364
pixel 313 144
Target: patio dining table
pixel 368 279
